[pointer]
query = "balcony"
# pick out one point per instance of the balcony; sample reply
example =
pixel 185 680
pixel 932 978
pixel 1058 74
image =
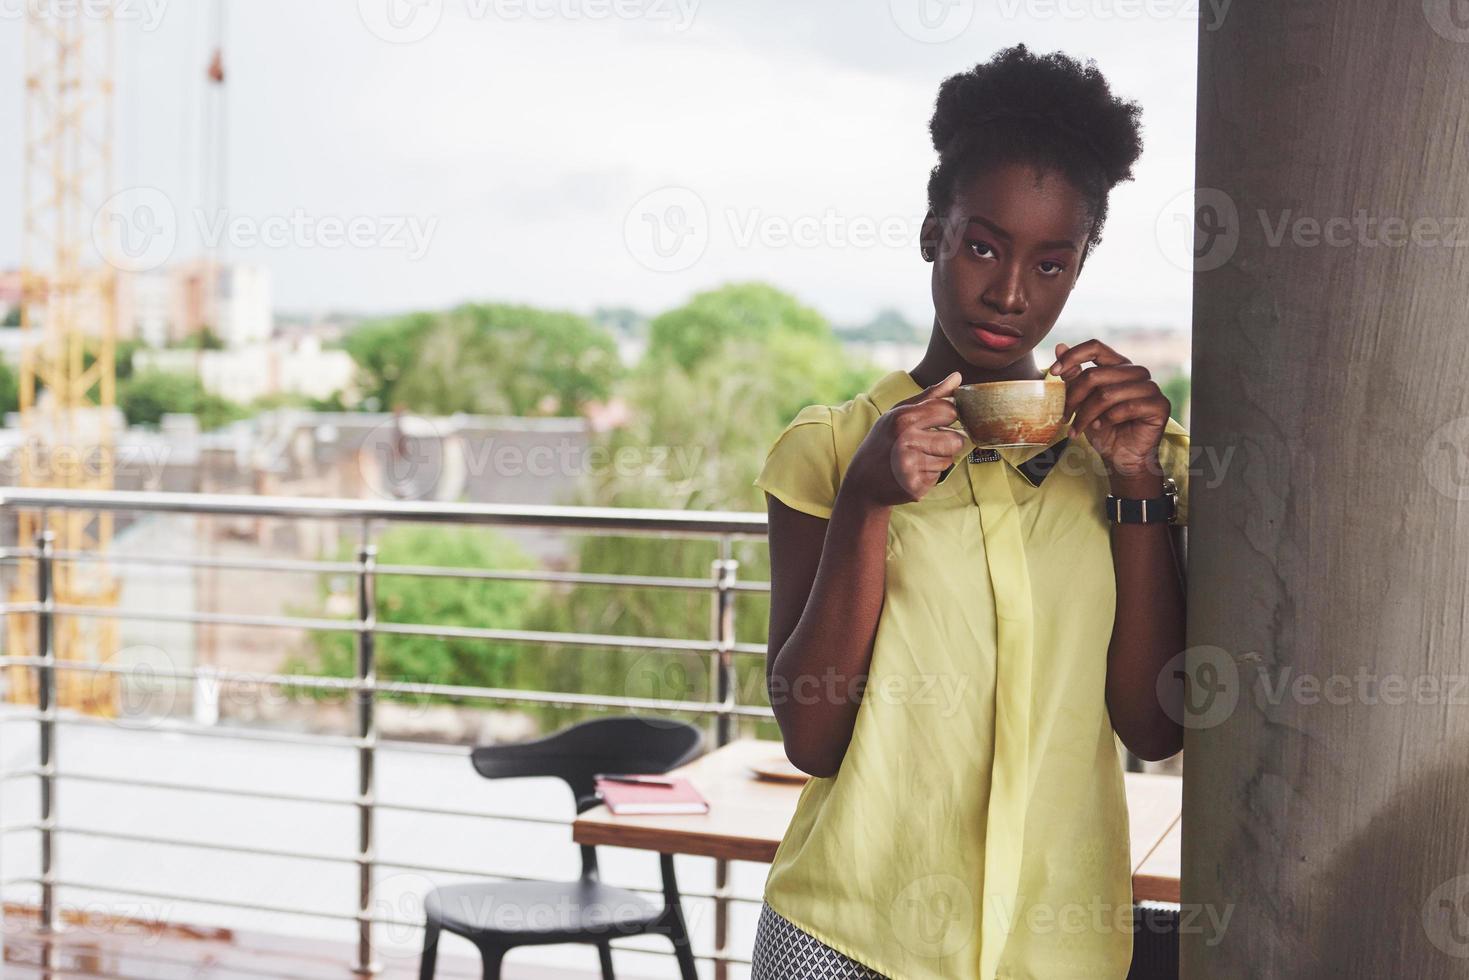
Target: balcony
pixel 151 829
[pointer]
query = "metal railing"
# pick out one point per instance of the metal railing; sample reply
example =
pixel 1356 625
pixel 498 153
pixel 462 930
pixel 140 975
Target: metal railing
pixel 364 686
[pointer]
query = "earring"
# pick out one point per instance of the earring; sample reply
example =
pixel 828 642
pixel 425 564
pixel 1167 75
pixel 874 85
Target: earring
pixel 927 253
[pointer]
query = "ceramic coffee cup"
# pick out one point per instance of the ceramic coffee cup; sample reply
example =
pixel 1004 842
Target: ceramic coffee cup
pixel 997 414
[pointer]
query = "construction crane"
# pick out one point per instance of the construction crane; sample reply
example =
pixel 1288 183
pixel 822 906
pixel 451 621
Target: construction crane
pixel 68 318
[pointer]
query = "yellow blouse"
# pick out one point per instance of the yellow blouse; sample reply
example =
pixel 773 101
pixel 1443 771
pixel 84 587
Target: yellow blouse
pixel 977 828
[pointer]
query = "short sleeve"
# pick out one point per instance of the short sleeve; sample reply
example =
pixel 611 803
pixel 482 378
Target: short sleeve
pixel 1173 455
pixel 801 465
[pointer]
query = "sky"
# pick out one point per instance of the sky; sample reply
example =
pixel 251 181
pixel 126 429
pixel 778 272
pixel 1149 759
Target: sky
pixel 385 155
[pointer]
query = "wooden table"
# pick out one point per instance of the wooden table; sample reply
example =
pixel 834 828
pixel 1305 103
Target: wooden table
pixel 748 817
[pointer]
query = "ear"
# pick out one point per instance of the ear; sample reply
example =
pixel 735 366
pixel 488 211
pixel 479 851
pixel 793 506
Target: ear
pixel 930 237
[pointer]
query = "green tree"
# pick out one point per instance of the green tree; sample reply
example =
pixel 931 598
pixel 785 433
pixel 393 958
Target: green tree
pixel 148 395
pixel 701 432
pixel 205 339
pixel 751 311
pixel 1177 390
pixel 122 356
pixel 384 350
pixel 888 326
pixel 438 601
pixel 496 359
pixel 493 358
pixel 9 389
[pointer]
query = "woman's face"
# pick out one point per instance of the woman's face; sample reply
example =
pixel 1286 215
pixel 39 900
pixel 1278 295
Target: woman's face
pixel 1008 255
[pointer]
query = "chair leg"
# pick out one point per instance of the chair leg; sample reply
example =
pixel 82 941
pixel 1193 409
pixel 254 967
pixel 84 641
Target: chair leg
pixel 492 955
pixel 430 951
pixel 604 950
pixel 673 922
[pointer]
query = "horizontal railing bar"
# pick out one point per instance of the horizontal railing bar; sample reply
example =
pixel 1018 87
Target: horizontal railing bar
pixel 645 889
pixel 564 578
pixel 546 637
pixel 207 618
pixel 621 519
pixel 286 910
pixel 276 796
pixel 166 896
pixel 137 783
pixel 344 741
pixel 302 565
pixel 187 728
pixel 414 688
pixel 422 571
pixel 179 842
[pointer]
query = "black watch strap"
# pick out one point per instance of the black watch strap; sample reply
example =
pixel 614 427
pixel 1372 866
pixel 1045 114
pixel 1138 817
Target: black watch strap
pixel 1144 510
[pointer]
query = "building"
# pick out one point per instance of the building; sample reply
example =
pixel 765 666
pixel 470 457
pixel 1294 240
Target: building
pixel 172 304
pixel 281 366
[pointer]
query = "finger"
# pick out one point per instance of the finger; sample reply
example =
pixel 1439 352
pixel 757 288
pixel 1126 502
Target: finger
pixel 1091 350
pixel 936 413
pixel 1131 411
pixel 938 389
pixel 944 444
pixel 1109 397
pixel 1088 380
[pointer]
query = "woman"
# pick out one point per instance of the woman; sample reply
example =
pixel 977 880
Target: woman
pixel 955 636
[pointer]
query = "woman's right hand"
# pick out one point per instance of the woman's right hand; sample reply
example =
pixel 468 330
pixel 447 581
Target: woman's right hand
pixel 907 447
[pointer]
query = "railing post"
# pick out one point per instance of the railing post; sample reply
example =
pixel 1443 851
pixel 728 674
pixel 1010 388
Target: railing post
pixel 366 697
pixel 46 707
pixel 725 570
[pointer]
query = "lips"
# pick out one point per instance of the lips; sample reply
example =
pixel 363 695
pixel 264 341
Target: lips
pixel 996 336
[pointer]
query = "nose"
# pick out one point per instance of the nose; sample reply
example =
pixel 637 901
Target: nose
pixel 1004 293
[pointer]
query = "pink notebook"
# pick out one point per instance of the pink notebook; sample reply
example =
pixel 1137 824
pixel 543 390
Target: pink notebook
pixel 630 798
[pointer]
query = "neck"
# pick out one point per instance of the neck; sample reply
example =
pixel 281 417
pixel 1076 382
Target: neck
pixel 941 359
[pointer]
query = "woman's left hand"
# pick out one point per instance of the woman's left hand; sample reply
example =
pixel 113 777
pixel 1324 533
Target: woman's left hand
pixel 1119 407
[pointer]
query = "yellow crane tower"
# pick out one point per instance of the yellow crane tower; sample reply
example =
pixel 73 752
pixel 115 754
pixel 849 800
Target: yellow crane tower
pixel 68 315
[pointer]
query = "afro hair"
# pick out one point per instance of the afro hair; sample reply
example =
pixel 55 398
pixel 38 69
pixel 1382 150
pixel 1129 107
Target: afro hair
pixel 1048 111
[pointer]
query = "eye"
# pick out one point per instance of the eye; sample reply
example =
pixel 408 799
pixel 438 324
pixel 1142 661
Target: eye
pixel 1058 270
pixel 975 245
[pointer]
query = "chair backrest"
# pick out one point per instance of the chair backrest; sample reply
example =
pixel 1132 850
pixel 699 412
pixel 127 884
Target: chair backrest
pixel 624 743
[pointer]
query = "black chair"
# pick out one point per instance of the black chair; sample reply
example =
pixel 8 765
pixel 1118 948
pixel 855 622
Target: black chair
pixel 498 916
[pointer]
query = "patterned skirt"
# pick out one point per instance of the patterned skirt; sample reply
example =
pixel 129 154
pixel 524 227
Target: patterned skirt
pixel 785 952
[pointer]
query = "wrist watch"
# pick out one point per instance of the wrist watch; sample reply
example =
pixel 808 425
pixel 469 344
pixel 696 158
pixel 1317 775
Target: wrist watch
pixel 1145 510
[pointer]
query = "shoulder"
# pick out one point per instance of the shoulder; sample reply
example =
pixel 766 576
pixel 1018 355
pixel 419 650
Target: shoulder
pixel 805 463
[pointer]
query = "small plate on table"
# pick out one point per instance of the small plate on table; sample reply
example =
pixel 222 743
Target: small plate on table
pixel 779 769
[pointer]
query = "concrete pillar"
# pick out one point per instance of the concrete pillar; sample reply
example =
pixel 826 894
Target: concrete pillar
pixel 1326 801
